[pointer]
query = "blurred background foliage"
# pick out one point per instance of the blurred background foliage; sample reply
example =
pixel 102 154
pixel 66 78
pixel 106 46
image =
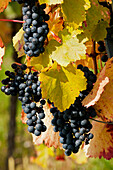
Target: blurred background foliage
pixel 25 155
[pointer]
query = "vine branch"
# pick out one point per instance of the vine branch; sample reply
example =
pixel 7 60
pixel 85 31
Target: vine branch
pixel 111 123
pixel 10 20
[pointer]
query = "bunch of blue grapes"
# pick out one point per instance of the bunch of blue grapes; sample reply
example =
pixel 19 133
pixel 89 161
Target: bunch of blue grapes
pixel 91 79
pixel 27 86
pixel 35 27
pixel 102 49
pixel 73 124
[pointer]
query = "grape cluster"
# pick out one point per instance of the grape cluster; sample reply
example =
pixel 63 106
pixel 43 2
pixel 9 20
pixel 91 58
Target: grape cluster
pixel 91 79
pixel 28 88
pixel 104 58
pixel 35 27
pixel 11 83
pixel 73 124
pixel 101 48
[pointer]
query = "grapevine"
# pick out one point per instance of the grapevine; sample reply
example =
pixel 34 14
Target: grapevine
pixel 68 57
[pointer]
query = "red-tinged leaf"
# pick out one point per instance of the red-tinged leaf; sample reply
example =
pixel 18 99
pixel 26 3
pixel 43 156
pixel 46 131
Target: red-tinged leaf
pixel 18 42
pixel 103 98
pixel 23 117
pixel 3 4
pixel 98 89
pixel 102 143
pixel 2 52
pixel 55 24
pixel 49 137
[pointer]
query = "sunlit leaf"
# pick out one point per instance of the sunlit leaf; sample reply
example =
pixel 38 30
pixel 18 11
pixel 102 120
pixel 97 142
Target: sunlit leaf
pixel 55 23
pixel 97 17
pixel 74 11
pixel 102 143
pixel 3 4
pixel 57 85
pixel 70 50
pixel 18 42
pixel 102 95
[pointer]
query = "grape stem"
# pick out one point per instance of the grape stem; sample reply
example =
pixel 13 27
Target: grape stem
pixel 111 123
pixel 10 20
pixel 30 67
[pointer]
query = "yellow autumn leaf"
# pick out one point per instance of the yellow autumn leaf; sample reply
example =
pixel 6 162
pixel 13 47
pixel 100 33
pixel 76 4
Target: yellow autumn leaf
pixel 57 85
pixel 74 11
pixel 55 23
pixel 3 4
pixel 102 143
pixel 70 50
pixel 18 42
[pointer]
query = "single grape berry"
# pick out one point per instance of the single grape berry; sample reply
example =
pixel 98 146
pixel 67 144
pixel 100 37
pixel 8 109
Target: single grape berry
pixel 104 58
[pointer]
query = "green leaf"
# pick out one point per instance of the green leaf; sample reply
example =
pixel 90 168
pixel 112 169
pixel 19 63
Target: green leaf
pixel 70 50
pixel 96 16
pixel 18 42
pixel 50 2
pixel 74 10
pixel 100 32
pixel 62 85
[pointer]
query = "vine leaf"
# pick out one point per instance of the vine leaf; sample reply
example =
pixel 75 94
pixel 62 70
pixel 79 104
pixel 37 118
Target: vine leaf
pixel 104 104
pixel 2 52
pixel 49 137
pixel 3 4
pixel 102 143
pixel 97 17
pixel 98 89
pixel 70 50
pixel 50 2
pixel 55 23
pixel 57 85
pixel 75 9
pixel 100 32
pixel 18 42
